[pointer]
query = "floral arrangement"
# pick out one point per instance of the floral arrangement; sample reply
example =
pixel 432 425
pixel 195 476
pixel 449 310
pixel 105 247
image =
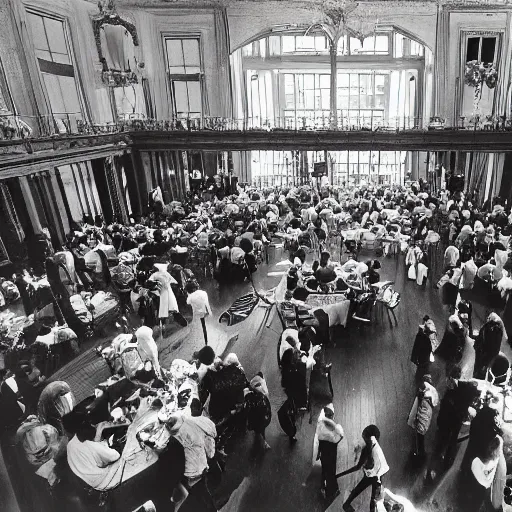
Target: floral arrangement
pixel 477 73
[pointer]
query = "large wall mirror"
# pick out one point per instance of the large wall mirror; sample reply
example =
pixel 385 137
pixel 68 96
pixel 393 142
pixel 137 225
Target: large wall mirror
pixel 118 48
pixel 116 42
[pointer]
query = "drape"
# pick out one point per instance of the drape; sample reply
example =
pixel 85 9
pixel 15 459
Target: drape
pixel 239 89
pixel 222 51
pixel 12 216
pixel 154 59
pixel 478 174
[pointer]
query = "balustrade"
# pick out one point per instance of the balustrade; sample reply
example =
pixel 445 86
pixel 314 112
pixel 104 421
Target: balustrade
pixel 15 127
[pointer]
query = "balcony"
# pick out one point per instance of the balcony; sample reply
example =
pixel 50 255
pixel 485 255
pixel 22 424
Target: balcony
pixel 20 145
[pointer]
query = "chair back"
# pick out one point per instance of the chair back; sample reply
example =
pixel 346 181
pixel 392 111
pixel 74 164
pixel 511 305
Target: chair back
pixel 499 370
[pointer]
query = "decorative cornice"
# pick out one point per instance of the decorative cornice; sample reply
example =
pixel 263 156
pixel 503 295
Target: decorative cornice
pixel 387 4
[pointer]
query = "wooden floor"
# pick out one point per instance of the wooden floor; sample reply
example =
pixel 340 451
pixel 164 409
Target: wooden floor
pixel 373 382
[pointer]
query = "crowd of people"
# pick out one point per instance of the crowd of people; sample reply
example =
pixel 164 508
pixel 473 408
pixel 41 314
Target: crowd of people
pixel 150 269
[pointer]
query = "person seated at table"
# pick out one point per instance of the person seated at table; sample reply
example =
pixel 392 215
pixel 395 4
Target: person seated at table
pixel 325 273
pixel 486 271
pixel 372 276
pixel 289 339
pixel 91 461
pixel 487 479
pixel 485 426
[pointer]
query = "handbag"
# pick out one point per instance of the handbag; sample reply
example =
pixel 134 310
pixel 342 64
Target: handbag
pixel 286 417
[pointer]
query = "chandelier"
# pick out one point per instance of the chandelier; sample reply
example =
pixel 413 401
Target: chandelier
pixel 360 20
pixel 361 23
pixel 106 7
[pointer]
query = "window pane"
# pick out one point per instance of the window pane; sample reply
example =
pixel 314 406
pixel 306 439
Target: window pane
pixel 382 44
pixel 320 43
pixel 325 100
pixel 68 88
pixel 274 43
pixel 43 54
pixel 416 48
pixel 369 45
pixel 399 45
pixel 309 99
pixel 38 33
pixel 488 47
pixel 56 37
pixel 60 58
pixel 191 51
pixel 247 50
pixel 181 97
pixel 194 96
pixel 175 56
pixel 325 81
pixel 54 93
pixel 355 46
pixel 473 49
pixel 309 81
pixel 288 44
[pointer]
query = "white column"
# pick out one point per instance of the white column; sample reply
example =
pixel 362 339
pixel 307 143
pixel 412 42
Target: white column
pixel 31 207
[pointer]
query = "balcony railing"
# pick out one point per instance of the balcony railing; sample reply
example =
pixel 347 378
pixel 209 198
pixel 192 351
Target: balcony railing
pixel 16 127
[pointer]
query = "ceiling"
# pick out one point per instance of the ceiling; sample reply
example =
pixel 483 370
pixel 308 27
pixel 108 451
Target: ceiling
pixel 389 4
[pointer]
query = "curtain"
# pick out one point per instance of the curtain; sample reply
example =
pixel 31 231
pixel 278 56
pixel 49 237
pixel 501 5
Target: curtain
pixel 478 176
pixel 223 67
pixel 150 110
pixel 239 89
pixel 155 64
pixel 441 73
pixel 12 216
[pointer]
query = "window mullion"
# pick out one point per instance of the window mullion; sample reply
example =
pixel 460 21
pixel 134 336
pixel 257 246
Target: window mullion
pixel 46 37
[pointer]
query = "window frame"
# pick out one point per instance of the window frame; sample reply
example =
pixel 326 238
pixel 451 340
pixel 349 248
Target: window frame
pixel 464 37
pixel 5 91
pixel 68 38
pixel 185 77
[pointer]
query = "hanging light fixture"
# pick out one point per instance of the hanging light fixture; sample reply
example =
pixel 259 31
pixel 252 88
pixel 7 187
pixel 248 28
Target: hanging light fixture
pixel 106 7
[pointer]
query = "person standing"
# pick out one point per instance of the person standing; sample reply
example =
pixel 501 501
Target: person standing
pixel 257 407
pixel 198 299
pixel 329 434
pixel 453 410
pixel 425 344
pixel 374 466
pixel 420 416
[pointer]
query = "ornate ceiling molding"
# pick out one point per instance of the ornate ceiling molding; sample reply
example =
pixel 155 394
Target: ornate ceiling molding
pixel 385 5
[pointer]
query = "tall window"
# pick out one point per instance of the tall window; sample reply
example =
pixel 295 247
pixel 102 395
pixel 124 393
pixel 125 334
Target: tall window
pixel 54 56
pixel 362 97
pixel 482 49
pixel 377 44
pixel 307 97
pixel 185 76
pixel 304 44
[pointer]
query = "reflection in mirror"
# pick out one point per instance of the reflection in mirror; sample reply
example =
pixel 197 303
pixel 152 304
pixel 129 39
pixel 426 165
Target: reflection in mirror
pixel 116 41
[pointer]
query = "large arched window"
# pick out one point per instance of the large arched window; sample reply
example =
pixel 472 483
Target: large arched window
pixel 381 84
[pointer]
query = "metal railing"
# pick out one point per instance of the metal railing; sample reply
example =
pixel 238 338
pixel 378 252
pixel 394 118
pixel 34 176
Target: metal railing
pixel 16 127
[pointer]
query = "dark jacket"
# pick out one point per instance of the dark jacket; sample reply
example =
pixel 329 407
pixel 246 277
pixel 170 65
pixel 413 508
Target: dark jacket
pixel 421 349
